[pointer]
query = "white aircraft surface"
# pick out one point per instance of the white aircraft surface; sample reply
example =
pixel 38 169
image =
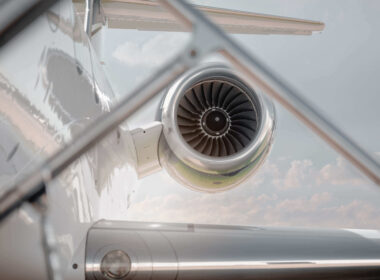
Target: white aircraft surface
pixel 67 154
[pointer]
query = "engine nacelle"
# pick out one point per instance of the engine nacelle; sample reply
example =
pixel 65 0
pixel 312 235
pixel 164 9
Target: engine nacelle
pixel 216 129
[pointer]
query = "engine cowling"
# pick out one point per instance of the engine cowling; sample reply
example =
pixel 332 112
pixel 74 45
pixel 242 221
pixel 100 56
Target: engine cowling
pixel 216 129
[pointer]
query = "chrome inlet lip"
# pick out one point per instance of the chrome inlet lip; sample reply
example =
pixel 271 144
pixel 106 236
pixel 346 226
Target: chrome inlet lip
pixel 197 160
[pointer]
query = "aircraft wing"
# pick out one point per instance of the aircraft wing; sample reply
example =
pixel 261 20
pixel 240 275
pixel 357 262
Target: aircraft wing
pixel 194 252
pixel 150 16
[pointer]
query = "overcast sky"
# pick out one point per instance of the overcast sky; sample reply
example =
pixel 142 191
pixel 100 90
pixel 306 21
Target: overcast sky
pixel 303 182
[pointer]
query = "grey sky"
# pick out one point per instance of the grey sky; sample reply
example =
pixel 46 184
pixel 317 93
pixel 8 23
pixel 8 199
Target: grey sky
pixel 303 182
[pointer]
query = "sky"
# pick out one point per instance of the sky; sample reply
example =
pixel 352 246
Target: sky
pixel 303 181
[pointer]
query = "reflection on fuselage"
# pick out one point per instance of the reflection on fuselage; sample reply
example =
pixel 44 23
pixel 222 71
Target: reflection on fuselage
pixel 62 89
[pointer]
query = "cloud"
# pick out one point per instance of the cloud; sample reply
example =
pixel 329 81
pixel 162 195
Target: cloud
pixel 303 174
pixel 340 173
pixel 151 53
pixel 298 174
pixel 361 212
pixel 295 193
pixel 261 210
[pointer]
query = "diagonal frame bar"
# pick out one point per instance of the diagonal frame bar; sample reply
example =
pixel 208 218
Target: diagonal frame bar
pixel 256 73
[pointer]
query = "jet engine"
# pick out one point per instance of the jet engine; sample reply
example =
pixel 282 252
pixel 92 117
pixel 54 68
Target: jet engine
pixel 217 130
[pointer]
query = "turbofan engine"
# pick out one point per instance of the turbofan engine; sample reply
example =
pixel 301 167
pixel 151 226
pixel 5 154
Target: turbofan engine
pixel 216 130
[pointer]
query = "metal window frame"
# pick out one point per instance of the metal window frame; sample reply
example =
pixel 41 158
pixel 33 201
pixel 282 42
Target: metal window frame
pixel 207 38
pixel 20 22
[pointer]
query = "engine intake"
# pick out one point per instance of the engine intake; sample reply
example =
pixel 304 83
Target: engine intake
pixel 216 129
pixel 218 117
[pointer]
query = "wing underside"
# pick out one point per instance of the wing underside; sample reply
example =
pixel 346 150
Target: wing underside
pixel 150 16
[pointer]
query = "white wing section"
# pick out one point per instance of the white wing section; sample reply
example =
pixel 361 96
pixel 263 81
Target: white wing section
pixel 149 15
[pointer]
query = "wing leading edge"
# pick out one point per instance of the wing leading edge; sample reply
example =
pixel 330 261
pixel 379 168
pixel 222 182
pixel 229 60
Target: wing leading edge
pixel 149 16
